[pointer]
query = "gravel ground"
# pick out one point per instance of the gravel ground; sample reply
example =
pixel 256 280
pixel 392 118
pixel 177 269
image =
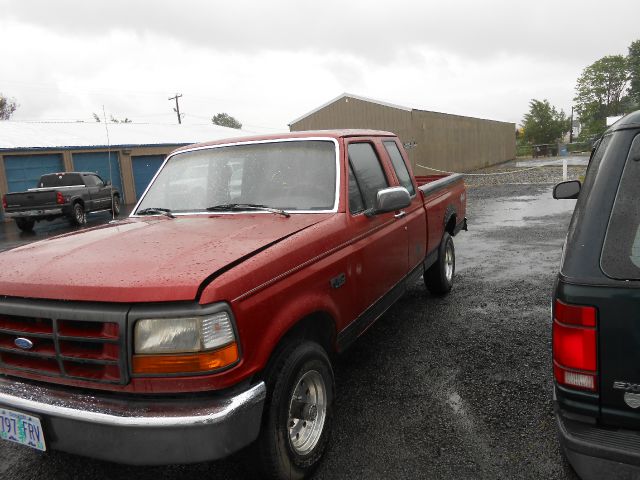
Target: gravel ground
pixel 438 388
pixel 548 175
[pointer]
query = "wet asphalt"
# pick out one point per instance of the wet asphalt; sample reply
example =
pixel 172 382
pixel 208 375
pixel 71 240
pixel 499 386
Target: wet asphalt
pixel 438 388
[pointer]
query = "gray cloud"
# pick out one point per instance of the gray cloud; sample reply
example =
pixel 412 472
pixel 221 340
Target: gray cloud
pixel 567 31
pixel 269 62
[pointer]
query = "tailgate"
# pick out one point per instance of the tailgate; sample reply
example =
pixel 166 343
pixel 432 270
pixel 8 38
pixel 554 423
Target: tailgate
pixel 619 348
pixel 29 200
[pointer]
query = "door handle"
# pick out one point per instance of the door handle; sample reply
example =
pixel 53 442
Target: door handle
pixel 400 214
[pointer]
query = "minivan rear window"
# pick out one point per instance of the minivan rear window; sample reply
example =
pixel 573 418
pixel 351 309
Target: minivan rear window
pixel 621 250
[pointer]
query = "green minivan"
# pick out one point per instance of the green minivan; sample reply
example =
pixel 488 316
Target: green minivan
pixel 596 312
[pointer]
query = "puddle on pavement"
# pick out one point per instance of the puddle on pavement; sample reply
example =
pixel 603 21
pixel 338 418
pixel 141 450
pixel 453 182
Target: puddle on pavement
pixel 455 402
pixel 520 211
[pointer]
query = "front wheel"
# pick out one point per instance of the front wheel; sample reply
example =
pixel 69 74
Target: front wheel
pixel 439 277
pixel 115 205
pixel 78 215
pixel 298 414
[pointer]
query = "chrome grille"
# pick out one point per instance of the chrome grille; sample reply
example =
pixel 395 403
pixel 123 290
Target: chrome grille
pixel 62 345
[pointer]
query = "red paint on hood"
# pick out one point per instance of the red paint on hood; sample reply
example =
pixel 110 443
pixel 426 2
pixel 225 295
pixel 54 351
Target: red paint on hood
pixel 140 260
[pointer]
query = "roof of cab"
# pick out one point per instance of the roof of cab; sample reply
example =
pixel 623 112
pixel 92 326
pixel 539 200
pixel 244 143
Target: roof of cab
pixel 346 133
pixel 631 120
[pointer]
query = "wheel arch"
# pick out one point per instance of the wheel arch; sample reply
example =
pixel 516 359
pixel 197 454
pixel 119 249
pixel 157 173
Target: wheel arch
pixel 450 220
pixel 318 326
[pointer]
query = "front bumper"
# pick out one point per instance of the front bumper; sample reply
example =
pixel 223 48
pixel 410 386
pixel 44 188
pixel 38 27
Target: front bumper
pixel 140 431
pixel 597 452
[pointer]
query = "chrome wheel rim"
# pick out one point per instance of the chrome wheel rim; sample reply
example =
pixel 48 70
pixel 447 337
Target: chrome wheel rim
pixel 307 412
pixel 80 215
pixel 448 263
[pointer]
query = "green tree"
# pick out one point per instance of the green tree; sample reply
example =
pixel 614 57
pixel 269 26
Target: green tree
pixel 600 93
pixel 544 123
pixel 7 107
pixel 226 120
pixel 633 63
pixel 96 117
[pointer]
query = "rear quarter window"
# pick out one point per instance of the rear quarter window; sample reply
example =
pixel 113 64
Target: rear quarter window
pixel 621 250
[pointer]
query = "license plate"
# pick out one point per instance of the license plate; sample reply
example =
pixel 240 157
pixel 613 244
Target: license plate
pixel 32 213
pixel 21 428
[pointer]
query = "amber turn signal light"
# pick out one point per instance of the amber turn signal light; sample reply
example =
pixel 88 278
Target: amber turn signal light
pixel 186 363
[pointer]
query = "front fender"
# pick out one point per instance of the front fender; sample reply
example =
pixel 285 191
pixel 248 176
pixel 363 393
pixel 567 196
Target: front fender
pixel 264 319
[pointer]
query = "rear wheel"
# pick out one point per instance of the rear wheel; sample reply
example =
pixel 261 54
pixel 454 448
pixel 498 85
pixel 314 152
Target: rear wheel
pixel 25 224
pixel 439 277
pixel 298 413
pixel 78 215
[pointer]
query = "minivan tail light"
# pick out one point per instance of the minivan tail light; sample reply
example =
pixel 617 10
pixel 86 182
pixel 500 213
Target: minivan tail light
pixel 59 198
pixel 575 357
pixel 575 315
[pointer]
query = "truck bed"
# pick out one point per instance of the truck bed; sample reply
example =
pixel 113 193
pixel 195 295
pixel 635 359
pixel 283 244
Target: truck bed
pixel 445 204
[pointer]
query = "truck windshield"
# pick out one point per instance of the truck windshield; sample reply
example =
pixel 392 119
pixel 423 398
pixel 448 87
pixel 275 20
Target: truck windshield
pixel 621 251
pixel 288 175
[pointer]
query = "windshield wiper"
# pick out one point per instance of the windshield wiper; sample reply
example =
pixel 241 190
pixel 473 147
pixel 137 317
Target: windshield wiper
pixel 155 211
pixel 247 206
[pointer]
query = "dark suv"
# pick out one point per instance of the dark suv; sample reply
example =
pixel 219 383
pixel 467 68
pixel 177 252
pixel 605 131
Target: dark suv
pixel 596 312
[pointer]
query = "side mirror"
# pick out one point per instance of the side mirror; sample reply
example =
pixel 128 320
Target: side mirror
pixel 567 190
pixel 108 183
pixel 390 200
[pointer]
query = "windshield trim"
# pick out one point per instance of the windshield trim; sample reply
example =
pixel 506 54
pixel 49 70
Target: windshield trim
pixel 336 197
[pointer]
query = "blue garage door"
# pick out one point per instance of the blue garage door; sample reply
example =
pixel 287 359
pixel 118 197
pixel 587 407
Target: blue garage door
pixel 98 162
pixel 24 171
pixel 144 168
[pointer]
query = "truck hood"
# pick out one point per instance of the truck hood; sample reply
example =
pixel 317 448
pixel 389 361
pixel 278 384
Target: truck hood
pixel 142 260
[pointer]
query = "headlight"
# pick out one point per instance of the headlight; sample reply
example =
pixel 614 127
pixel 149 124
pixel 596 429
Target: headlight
pixel 183 335
pixel 184 345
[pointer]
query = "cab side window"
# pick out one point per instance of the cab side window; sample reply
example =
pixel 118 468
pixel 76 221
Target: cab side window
pixel 98 180
pixel 399 166
pixel 368 175
pixel 89 180
pixel 356 203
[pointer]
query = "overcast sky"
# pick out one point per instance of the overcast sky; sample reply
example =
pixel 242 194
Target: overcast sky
pixel 269 62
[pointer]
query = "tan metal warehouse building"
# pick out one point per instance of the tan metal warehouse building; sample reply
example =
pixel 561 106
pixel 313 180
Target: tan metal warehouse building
pixel 29 150
pixel 437 140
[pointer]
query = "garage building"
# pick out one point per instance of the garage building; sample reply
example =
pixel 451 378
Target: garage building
pixel 29 150
pixel 436 140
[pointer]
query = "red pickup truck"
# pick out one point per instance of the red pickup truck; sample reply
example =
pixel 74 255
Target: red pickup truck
pixel 205 322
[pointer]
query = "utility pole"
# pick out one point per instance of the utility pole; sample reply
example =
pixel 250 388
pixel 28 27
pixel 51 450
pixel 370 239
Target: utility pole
pixel 571 131
pixel 177 109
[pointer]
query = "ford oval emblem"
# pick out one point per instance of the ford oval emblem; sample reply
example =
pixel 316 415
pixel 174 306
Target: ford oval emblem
pixel 23 343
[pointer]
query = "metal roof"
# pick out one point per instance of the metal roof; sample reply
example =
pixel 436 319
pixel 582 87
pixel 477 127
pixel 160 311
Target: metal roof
pixel 384 104
pixel 349 95
pixel 67 135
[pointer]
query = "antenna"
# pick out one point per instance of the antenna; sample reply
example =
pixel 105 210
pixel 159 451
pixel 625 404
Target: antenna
pixel 106 127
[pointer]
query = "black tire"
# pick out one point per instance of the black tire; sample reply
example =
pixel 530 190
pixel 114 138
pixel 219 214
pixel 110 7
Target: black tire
pixel 78 215
pixel 278 457
pixel 115 205
pixel 25 224
pixel 439 277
